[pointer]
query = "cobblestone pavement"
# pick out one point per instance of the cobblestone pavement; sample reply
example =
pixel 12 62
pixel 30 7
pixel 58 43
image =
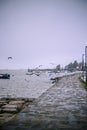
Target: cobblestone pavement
pixel 62 107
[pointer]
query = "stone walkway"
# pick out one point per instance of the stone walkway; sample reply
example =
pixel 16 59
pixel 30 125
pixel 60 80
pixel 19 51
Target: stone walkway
pixel 9 107
pixel 62 107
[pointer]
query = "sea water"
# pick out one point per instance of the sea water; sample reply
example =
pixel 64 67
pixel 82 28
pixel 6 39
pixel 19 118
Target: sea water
pixel 23 85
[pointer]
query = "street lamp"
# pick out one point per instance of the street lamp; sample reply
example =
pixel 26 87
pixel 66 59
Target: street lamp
pixel 86 62
pixel 82 62
pixel 83 66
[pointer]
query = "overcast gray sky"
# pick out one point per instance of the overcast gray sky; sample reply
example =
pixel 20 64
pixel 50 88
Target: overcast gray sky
pixel 41 32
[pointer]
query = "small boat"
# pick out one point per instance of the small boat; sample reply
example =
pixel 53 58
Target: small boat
pixel 4 76
pixel 29 73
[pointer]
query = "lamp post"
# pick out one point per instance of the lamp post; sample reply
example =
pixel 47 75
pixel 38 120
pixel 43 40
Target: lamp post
pixel 83 66
pixel 82 62
pixel 86 61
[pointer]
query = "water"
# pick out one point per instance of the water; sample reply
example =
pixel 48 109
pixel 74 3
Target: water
pixel 21 85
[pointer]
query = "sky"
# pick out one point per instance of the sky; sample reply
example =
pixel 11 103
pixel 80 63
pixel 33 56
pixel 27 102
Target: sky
pixel 42 33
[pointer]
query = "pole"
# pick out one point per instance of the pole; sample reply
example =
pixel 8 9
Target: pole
pixel 82 62
pixel 86 61
pixel 83 66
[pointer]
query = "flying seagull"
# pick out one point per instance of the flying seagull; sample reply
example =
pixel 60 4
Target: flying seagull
pixel 40 65
pixel 9 57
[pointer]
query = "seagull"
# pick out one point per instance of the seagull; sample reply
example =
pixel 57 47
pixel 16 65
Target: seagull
pixel 9 58
pixel 52 63
pixel 40 65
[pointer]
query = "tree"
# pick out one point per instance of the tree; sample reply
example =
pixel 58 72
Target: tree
pixel 72 66
pixel 58 67
pixel 75 64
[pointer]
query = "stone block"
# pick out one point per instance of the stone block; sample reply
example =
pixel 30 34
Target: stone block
pixel 0 110
pixel 10 110
pixel 2 103
pixel 5 117
pixel 16 102
pixel 9 106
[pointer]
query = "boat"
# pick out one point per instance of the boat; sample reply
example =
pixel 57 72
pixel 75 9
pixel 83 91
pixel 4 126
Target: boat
pixel 4 76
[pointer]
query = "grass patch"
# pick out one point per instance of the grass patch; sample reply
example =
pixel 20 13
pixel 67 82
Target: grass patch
pixel 83 83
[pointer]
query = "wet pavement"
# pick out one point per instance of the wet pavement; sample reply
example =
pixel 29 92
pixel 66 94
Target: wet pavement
pixel 61 107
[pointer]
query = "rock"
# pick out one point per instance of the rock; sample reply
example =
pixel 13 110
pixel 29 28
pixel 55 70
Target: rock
pixel 3 102
pixel 11 108
pixel 0 110
pixel 5 117
pixel 55 80
pixel 16 102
